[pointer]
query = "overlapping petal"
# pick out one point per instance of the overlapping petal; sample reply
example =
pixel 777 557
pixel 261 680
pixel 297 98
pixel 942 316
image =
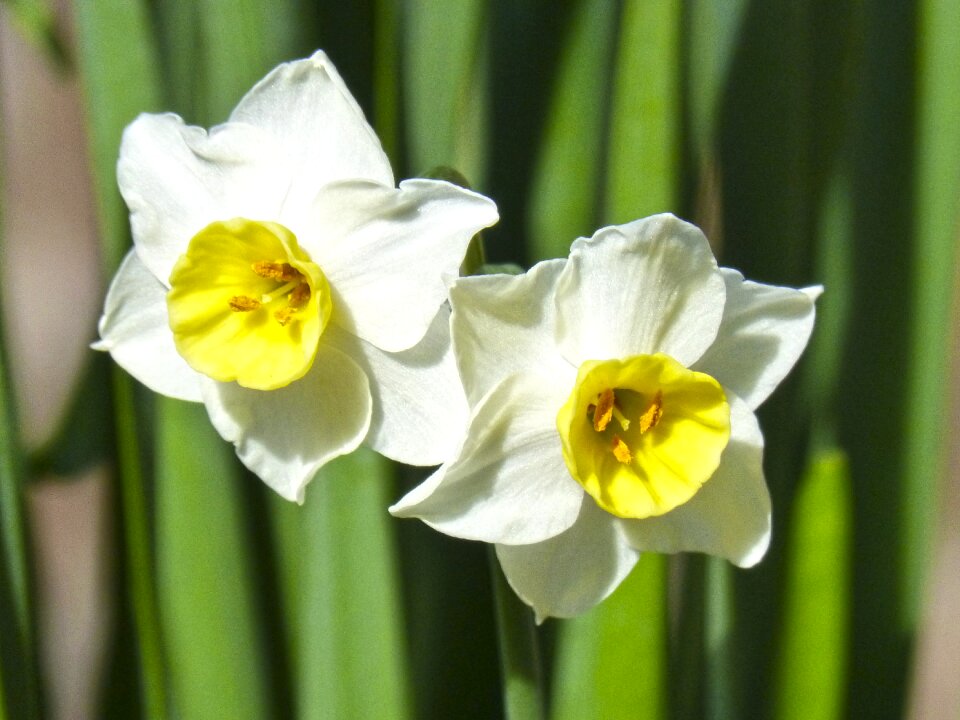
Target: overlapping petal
pixel 730 516
pixel 763 332
pixel 509 483
pixel 286 435
pixel 386 251
pixel 134 330
pixel 649 286
pixel 176 179
pixel 516 333
pixel 419 409
pixel 573 571
pixel 322 133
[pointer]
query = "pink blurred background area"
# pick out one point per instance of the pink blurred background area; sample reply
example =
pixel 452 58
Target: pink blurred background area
pixel 52 288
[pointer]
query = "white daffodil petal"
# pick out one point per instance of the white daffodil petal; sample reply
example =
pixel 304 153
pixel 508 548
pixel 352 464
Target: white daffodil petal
pixel 419 410
pixel 504 324
pixel 386 251
pixel 509 483
pixel 134 330
pixel 764 330
pixel 320 128
pixel 570 573
pixel 286 435
pixel 730 515
pixel 649 286
pixel 177 179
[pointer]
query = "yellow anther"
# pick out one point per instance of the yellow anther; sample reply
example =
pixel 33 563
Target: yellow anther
pixel 285 315
pixel 620 450
pixel 281 272
pixel 300 295
pixel 243 303
pixel 603 411
pixel 652 414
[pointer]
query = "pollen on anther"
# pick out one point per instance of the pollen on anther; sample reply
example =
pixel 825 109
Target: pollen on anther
pixel 281 272
pixel 300 295
pixel 603 411
pixel 285 315
pixel 243 303
pixel 621 451
pixel 652 414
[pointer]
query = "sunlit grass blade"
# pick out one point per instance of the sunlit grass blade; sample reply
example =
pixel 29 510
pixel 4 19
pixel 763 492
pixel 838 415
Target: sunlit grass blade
pixel 341 594
pixel 873 427
pixel 241 41
pixel 814 633
pixel 779 126
pixel 936 224
pixel 443 46
pixel 520 662
pixel 566 195
pixel 611 661
pixel 721 699
pixel 206 581
pixel 714 31
pixel 814 641
pixel 19 686
pixel 118 66
pixel 643 156
pixel 386 77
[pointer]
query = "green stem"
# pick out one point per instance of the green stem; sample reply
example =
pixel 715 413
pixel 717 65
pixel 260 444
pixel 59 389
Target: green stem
pixel 18 678
pixel 688 652
pixel 139 555
pixel 519 651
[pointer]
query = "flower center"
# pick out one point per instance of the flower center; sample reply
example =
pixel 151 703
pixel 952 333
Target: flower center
pixel 642 435
pixel 246 303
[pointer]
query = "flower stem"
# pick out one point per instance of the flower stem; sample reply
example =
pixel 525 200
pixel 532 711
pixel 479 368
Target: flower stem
pixel 519 652
pixel 137 542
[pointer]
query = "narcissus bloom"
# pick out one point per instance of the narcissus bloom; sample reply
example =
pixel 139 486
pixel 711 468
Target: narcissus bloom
pixel 612 402
pixel 280 277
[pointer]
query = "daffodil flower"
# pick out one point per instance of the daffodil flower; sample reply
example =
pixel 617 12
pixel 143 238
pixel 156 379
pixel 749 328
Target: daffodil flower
pixel 280 277
pixel 612 402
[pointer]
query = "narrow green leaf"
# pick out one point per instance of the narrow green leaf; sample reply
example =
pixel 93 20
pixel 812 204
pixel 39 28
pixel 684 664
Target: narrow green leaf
pixel 721 700
pixel 520 665
pixel 811 668
pixel 138 548
pixel 643 165
pixel 874 408
pixel 937 219
pixel 386 77
pixel 611 661
pixel 342 593
pixel 443 50
pixel 566 197
pixel 18 669
pixel 119 74
pixel 714 30
pixel 239 51
pixel 205 578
